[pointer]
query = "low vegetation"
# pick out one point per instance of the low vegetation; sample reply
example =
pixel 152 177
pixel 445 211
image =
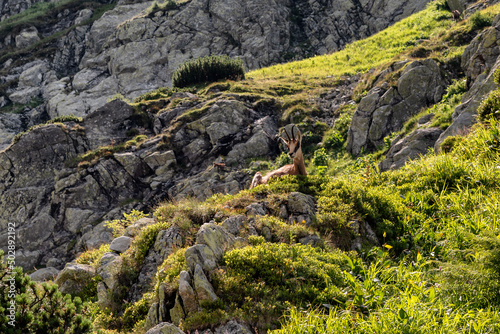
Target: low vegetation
pixel 436 265
pixel 208 69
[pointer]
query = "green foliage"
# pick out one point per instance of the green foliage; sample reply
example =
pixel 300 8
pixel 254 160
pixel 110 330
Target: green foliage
pixel 65 118
pixel 335 138
pixel 38 308
pixel 170 269
pixel 208 69
pixel 320 158
pixel 137 312
pixel 282 160
pixel 145 240
pixel 92 257
pixel 119 225
pixel 261 280
pixel 480 20
pixel 119 96
pixel 450 143
pixel 490 106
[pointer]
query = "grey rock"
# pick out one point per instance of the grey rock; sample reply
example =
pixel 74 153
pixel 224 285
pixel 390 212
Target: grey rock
pixel 203 255
pixel 384 111
pixel 164 328
pixel 27 37
pixel 312 240
pixel 120 244
pixel 256 209
pixel 204 290
pixel 108 124
pixel 134 229
pixel 75 278
pixel 165 243
pixel 44 274
pixel 233 327
pixel 177 312
pixel 83 15
pixel 109 269
pixel 152 317
pixel 411 147
pixel 187 293
pixel 234 224
pixel 301 207
pixel 217 238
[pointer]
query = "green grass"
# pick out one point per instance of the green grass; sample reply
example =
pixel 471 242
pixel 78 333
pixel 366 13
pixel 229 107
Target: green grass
pixel 362 55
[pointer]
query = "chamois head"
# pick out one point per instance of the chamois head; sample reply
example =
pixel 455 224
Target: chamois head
pixel 292 138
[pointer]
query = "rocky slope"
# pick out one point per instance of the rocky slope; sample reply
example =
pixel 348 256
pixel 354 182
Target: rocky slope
pixel 131 51
pixel 67 178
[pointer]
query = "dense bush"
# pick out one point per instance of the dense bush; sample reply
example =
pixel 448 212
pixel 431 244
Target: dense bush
pixel 261 280
pixel 208 69
pixel 39 308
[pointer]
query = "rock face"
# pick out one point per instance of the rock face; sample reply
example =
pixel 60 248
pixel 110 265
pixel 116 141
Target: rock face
pixel 12 7
pixel 479 61
pixel 131 52
pixel 75 278
pixel 410 147
pixel 385 110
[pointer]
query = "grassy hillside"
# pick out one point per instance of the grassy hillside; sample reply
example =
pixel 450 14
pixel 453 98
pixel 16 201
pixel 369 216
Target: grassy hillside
pixel 436 268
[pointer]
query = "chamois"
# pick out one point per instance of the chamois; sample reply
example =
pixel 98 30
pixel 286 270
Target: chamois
pixel 456 15
pixel 293 142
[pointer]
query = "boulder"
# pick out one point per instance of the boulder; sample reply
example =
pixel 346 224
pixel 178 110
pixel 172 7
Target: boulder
pixel 385 110
pixel 216 237
pixel 301 207
pixel 204 290
pixel 120 244
pixel 234 224
pixel 27 37
pixel 187 293
pixel 480 60
pixel 44 274
pixel 410 147
pixel 164 328
pixel 75 278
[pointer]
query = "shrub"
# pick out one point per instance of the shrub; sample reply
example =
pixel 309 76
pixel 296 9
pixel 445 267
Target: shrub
pixel 283 159
pixel 320 158
pixel 490 106
pixel 39 308
pixel 480 20
pixel 208 69
pixel 261 280
pixel 450 143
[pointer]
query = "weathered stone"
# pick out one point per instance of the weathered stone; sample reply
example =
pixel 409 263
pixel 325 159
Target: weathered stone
pixel 234 224
pixel 164 328
pixel 109 269
pixel 44 274
pixel 301 207
pixel 177 312
pixel 27 37
pixel 312 240
pixel 134 229
pixel 187 293
pixel 383 111
pixel 120 244
pixel 410 147
pixel 152 318
pixel 217 238
pixel 256 209
pixel 201 254
pixel 75 278
pixel 204 290
pixel 233 327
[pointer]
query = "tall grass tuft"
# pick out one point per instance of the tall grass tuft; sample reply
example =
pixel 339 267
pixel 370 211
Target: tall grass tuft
pixel 208 69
